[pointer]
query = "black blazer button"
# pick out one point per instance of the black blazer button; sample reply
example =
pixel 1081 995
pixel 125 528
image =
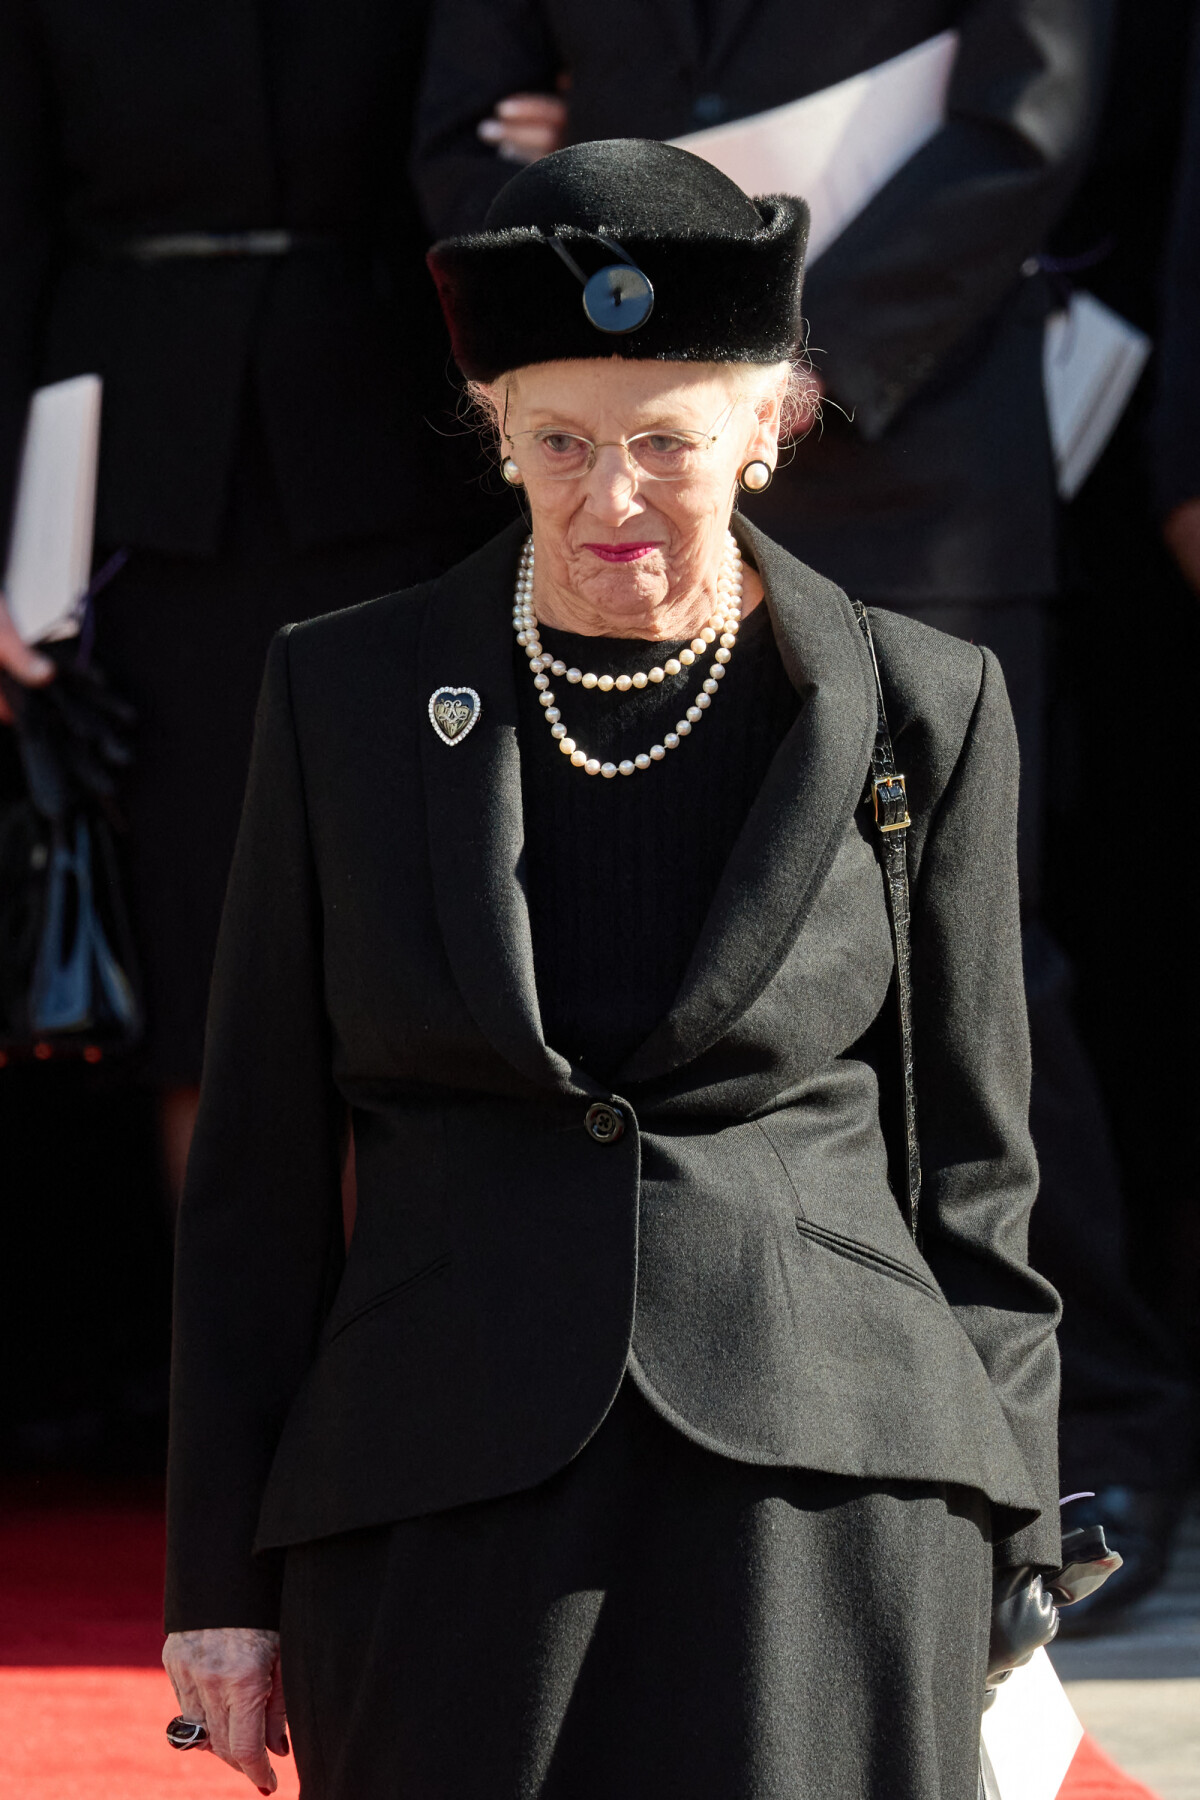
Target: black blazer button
pixel 606 1123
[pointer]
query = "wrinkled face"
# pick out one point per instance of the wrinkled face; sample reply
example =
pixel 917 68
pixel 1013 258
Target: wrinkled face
pixel 621 540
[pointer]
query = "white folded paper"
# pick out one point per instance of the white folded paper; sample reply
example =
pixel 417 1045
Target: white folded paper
pixel 839 146
pixel 1030 1733
pixel 50 549
pixel 1091 361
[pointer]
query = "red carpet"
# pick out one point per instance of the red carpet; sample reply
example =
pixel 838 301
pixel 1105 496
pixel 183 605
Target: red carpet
pixel 83 1697
pixel 1094 1776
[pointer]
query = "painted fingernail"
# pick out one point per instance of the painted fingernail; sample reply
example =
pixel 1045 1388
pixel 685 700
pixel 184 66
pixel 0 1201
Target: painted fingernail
pixel 285 1747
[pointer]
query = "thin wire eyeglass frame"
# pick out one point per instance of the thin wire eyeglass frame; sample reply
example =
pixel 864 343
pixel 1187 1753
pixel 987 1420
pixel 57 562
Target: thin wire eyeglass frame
pixel 696 440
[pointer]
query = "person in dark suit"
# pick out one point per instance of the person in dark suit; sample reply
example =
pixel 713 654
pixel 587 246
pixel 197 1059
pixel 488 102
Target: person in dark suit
pixel 634 1445
pixel 925 320
pixel 209 208
pixel 929 488
pixel 1175 433
pixel 1114 1236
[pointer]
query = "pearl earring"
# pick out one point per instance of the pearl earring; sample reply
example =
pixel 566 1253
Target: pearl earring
pixel 755 477
pixel 511 472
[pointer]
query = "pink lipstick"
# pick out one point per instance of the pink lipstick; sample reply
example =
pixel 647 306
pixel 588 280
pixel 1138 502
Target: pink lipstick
pixel 621 553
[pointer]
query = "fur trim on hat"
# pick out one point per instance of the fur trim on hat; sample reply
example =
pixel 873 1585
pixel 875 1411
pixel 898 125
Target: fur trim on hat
pixel 726 270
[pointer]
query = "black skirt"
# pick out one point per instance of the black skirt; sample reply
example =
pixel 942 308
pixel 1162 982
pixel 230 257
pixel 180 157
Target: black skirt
pixel 185 640
pixel 654 1621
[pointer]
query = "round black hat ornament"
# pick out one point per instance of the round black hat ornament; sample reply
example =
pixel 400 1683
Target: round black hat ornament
pixel 617 298
pixel 674 261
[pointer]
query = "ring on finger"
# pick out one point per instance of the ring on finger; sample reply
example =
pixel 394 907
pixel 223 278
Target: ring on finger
pixel 187 1734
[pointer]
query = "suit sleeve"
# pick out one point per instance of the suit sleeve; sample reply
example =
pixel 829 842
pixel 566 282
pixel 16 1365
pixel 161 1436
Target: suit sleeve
pixel 26 229
pixel 478 52
pixel 259 1243
pixel 1175 421
pixel 930 260
pixel 971 1043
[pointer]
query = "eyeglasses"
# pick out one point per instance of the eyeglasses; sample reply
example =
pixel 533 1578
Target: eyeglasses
pixel 552 455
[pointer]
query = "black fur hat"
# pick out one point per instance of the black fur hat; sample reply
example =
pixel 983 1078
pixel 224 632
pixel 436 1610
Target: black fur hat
pixel 625 247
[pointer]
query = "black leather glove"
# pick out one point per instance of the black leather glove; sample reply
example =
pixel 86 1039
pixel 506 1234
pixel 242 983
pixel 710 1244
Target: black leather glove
pixel 1024 1617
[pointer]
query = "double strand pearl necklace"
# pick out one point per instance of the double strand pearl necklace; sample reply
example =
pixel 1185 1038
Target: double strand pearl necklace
pixel 722 629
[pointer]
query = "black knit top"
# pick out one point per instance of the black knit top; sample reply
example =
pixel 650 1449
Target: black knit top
pixel 621 872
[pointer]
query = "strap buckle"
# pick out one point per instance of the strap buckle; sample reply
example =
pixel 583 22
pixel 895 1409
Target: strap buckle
pixel 891 802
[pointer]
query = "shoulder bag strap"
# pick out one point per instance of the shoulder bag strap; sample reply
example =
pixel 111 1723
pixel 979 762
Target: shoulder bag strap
pixel 890 804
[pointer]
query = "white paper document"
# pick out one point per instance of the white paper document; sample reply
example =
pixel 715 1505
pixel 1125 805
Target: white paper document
pixel 837 147
pixel 1031 1733
pixel 1091 361
pixel 50 550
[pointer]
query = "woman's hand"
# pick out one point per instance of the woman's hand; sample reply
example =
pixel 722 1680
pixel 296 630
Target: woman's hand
pixel 229 1679
pixel 19 661
pixel 526 126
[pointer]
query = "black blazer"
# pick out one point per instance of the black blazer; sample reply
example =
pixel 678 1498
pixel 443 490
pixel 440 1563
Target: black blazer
pixel 920 314
pixel 119 120
pixel 739 1249
pixel 1175 422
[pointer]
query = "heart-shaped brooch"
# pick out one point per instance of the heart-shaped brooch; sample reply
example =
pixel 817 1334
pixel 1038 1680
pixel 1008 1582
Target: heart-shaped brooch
pixel 453 712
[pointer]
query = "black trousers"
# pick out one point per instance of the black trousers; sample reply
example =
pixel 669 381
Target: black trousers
pixel 1126 1408
pixel 655 1620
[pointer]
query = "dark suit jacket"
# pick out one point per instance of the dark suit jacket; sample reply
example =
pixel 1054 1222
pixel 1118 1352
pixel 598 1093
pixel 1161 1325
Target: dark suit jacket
pixel 739 1249
pixel 1175 424
pixel 920 315
pixel 126 119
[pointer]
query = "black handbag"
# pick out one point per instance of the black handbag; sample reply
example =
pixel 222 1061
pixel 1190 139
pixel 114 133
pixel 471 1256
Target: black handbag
pixel 1024 1605
pixel 68 985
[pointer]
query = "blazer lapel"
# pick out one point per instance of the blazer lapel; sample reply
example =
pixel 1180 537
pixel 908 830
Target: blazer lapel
pixel 473 794
pixel 793 829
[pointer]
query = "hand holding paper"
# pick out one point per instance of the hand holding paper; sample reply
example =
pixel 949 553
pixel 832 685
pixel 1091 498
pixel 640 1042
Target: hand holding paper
pixel 50 550
pixel 840 146
pixel 837 147
pixel 27 666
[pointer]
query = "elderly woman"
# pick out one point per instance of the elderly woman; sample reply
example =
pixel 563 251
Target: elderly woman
pixel 633 1447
